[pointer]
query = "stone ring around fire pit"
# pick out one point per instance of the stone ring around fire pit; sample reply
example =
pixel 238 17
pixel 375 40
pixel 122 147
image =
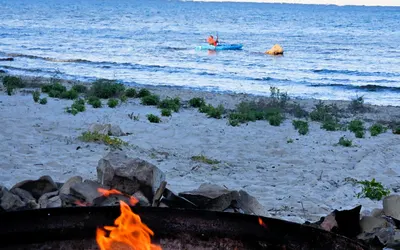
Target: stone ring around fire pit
pixel 75 228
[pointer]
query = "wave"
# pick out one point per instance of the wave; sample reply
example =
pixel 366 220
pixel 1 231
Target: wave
pixel 354 72
pixel 369 87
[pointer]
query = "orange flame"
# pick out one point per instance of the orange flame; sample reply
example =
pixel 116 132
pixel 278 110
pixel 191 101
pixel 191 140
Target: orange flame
pixel 128 233
pixel 106 193
pixel 261 222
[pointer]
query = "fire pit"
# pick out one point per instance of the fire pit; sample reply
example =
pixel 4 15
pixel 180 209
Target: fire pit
pixel 75 228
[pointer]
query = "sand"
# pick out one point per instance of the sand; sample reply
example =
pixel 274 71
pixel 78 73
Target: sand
pixel 297 181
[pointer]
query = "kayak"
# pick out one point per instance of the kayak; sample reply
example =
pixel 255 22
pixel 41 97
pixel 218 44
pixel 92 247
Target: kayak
pixel 220 47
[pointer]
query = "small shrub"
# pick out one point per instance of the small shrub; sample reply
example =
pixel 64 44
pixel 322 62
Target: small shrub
pixel 297 111
pixel 105 89
pixel 112 103
pixel 396 130
pixel 356 125
pixel 233 122
pixel 9 90
pixel 275 119
pixel 131 93
pixel 377 129
pixel 373 190
pixel 43 101
pixel 278 98
pixel 357 105
pixel 345 142
pixel 204 159
pixel 166 112
pixel 331 125
pixel 359 134
pixel 70 94
pixel 301 126
pixel 101 138
pixel 36 96
pixel 172 104
pixel 123 98
pixel 289 140
pixel 76 107
pixel 143 93
pixel 80 88
pixel 55 87
pixel 197 102
pixel 324 112
pixel 211 111
pixel 133 117
pixel 95 102
pixel 150 100
pixel 13 81
pixel 153 118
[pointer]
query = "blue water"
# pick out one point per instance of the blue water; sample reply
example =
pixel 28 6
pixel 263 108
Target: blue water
pixel 331 52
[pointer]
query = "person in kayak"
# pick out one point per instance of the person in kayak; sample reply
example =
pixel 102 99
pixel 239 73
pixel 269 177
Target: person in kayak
pixel 212 41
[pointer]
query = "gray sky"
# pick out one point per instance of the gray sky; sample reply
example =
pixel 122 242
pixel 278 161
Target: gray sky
pixel 337 2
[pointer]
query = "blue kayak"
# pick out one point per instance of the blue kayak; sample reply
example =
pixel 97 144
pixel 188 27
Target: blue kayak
pixel 220 47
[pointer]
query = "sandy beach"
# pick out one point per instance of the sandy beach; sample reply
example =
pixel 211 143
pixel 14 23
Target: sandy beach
pixel 297 181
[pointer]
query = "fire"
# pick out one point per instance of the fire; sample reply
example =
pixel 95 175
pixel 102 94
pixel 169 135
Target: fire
pixel 128 233
pixel 106 193
pixel 261 222
pixel 82 204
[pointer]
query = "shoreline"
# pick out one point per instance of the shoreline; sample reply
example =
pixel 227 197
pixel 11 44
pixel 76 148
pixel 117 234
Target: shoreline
pixel 297 181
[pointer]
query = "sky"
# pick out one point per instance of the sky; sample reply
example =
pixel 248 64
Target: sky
pixel 337 2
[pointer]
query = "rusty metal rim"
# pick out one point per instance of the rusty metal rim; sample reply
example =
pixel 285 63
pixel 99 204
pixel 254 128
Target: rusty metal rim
pixel 41 225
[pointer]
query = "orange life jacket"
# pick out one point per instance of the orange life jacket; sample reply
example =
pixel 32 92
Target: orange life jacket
pixel 211 41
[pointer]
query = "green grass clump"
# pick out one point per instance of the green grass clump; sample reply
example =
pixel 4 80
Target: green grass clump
pixel 101 138
pixel 153 118
pixel 331 125
pixel 43 101
pixel 275 119
pixel 76 107
pixel 322 112
pixel 171 104
pixel 197 102
pixel 301 126
pixel 345 142
pixel 204 159
pixel 54 90
pixel 359 134
pixel 80 88
pixel 112 103
pixel 11 83
pixel 131 93
pixel 373 190
pixel 396 130
pixel 143 93
pixel 123 98
pixel 70 94
pixel 211 111
pixel 105 89
pixel 150 100
pixel 36 96
pixel 166 112
pixel 94 101
pixel 357 127
pixel 377 129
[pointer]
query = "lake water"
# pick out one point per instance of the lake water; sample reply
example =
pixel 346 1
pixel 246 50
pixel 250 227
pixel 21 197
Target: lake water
pixel 331 52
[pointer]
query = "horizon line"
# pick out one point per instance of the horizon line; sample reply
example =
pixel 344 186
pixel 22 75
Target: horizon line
pixel 312 2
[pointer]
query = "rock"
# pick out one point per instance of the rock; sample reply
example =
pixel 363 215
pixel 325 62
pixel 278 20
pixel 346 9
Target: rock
pixel 26 198
pixel 275 50
pixel 377 212
pixel 369 223
pixel 329 223
pixel 143 201
pixel 87 191
pixel 211 197
pixel 38 187
pixel 44 199
pixel 106 129
pixel 129 175
pixel 378 236
pixel 250 205
pixel 112 200
pixel 233 208
pixel 54 201
pixel 172 200
pixel 10 201
pixel 65 189
pixel 391 206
